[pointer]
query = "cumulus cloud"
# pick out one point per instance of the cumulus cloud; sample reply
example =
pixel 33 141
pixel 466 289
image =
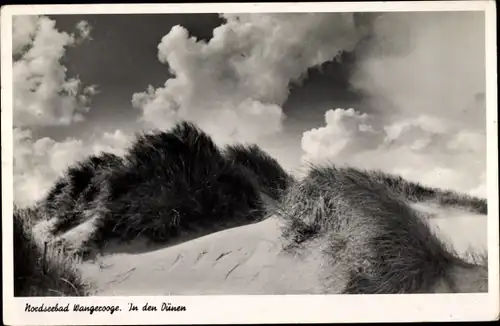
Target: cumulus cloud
pixel 430 63
pixel 84 28
pixel 420 149
pixel 23 30
pixel 43 94
pixel 233 86
pixel 424 77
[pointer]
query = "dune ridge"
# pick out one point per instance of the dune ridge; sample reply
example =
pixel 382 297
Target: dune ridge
pixel 179 215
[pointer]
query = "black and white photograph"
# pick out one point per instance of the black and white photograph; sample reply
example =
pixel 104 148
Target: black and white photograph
pixel 242 152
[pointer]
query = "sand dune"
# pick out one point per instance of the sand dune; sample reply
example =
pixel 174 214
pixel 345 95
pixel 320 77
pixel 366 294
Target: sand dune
pixel 353 230
pixel 244 260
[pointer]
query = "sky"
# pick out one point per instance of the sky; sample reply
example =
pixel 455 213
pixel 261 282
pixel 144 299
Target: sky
pixel 400 92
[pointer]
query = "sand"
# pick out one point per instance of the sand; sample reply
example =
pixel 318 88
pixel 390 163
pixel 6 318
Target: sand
pixel 462 229
pixel 244 260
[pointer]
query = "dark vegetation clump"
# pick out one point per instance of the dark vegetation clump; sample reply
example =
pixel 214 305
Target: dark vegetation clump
pixel 416 192
pixel 39 271
pixel 70 196
pixel 173 184
pixel 371 237
pixel 273 179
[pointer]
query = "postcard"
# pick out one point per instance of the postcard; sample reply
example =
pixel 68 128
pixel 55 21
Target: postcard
pixel 239 163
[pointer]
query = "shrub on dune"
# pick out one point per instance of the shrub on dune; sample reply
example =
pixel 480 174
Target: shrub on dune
pixel 273 179
pixel 175 183
pixel 39 272
pixel 81 183
pixel 372 240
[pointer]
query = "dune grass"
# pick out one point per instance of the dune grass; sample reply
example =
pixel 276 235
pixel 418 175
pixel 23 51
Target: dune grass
pixel 273 179
pixel 172 184
pixel 416 192
pixel 169 184
pixel 75 189
pixel 41 271
pixel 370 237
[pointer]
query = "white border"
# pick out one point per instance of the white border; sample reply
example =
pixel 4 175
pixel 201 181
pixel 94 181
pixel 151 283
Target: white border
pixel 260 309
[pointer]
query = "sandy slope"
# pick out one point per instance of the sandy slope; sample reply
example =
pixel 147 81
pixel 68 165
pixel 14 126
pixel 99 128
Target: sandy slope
pixel 243 260
pixel 462 229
